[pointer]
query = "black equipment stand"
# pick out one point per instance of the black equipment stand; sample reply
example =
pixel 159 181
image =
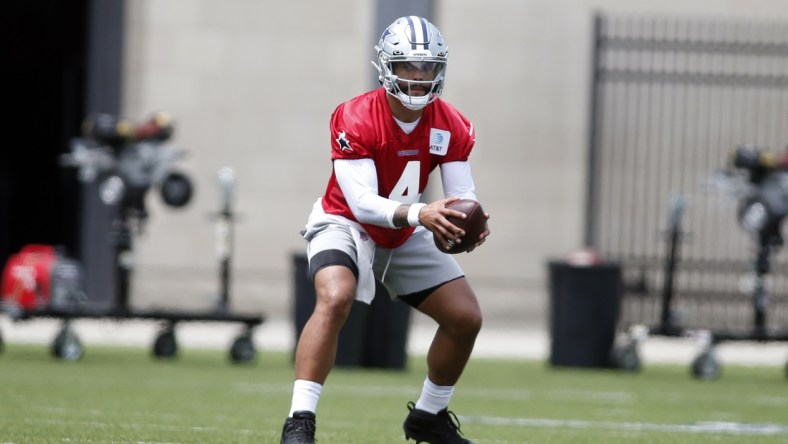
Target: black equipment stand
pixel 67 345
pixel 706 364
pixel 133 160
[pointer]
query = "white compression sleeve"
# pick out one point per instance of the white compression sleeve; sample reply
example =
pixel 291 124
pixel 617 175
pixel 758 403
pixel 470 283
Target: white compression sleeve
pixel 457 180
pixel 358 179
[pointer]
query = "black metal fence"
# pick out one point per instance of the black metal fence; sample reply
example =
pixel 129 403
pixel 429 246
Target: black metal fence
pixel 671 100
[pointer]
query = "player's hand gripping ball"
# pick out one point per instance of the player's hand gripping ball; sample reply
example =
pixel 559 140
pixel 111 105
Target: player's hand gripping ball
pixel 474 225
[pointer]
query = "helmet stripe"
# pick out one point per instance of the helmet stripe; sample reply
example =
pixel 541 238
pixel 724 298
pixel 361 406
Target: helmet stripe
pixel 418 37
pixel 412 32
pixel 424 29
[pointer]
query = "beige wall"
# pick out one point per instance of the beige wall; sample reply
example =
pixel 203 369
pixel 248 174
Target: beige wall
pixel 252 83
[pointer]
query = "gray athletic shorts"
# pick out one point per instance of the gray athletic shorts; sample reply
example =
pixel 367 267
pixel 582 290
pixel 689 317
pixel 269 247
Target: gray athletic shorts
pixel 413 267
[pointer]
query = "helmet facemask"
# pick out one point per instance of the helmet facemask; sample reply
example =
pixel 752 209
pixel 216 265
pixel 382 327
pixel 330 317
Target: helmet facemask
pixel 412 44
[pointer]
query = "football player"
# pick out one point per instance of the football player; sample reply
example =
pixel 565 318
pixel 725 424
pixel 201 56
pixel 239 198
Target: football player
pixel 370 224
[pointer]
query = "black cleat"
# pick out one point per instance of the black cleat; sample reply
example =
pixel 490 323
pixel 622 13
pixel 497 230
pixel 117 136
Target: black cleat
pixel 300 429
pixel 440 428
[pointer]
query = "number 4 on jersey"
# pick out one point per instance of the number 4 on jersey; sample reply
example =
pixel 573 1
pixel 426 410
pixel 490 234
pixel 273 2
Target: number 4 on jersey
pixel 407 188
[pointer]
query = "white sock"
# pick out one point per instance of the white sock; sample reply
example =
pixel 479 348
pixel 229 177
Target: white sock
pixel 434 398
pixel 305 396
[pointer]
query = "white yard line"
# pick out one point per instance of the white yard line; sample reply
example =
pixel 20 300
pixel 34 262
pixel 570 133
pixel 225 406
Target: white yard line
pixel 714 428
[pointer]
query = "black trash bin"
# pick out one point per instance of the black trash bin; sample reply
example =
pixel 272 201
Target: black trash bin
pixel 584 309
pixel 374 336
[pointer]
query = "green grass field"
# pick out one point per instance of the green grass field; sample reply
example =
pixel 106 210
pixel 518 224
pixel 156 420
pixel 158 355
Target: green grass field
pixel 123 395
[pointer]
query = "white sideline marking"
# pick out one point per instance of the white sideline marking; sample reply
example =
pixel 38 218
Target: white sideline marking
pixel 711 427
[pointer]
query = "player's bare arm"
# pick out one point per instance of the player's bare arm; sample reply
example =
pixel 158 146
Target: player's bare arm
pixel 400 218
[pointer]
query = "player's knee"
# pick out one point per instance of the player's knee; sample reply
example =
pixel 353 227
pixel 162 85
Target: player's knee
pixel 335 302
pixel 466 325
pixel 473 322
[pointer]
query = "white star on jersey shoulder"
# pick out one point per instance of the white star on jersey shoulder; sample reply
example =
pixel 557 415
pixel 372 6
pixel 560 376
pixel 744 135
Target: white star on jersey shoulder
pixel 344 144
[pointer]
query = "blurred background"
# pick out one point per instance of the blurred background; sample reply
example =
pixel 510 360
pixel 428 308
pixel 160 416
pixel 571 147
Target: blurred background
pixel 251 85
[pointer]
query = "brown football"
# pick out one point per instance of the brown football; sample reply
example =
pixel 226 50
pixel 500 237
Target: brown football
pixel 473 224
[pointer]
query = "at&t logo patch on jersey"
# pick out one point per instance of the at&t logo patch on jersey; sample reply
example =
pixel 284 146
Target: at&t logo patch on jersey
pixel 439 141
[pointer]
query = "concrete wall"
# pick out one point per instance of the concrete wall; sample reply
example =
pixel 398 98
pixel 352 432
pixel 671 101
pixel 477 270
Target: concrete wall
pixel 252 83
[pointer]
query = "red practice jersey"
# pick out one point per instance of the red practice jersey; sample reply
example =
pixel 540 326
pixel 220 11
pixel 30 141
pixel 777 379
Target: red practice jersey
pixel 364 128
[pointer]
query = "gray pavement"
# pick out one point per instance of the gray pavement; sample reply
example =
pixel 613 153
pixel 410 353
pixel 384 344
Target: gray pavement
pixel 516 321
pixel 279 335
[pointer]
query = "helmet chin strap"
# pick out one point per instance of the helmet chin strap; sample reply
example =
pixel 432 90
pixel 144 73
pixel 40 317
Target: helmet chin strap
pixel 407 101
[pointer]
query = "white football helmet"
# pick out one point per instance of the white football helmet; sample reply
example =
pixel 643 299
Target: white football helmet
pixel 417 42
